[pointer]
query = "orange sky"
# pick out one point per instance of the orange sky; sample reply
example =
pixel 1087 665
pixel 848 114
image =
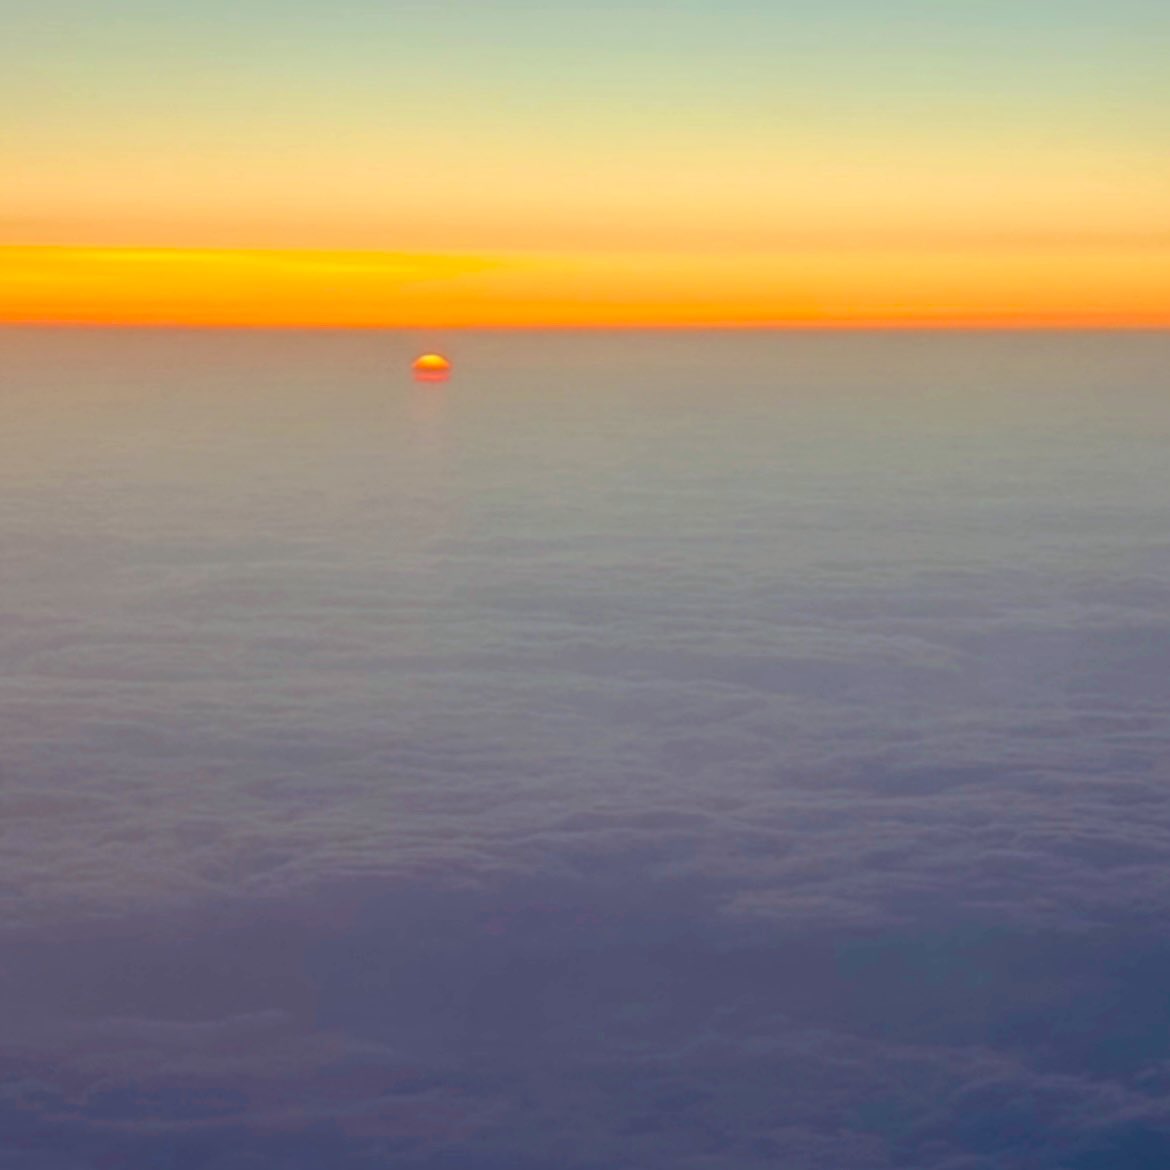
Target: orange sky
pixel 1113 287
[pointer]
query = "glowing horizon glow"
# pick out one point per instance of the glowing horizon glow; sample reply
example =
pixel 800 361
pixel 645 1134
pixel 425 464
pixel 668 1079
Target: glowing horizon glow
pixel 1015 288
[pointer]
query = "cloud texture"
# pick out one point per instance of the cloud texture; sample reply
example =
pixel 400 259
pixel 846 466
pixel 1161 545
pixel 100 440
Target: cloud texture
pixel 641 752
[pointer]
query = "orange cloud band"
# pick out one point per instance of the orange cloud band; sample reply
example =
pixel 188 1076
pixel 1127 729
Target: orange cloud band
pixel 1114 288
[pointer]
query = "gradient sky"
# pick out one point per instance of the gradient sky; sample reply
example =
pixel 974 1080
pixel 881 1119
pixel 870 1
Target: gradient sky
pixel 523 163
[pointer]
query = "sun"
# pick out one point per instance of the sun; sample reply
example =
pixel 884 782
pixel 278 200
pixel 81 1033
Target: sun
pixel 431 367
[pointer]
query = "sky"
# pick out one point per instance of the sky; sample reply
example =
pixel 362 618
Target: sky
pixel 495 163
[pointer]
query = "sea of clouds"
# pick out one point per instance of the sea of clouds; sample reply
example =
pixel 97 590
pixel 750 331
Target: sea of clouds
pixel 640 752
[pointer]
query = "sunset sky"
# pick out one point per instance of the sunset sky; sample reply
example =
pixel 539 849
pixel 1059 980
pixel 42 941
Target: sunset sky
pixel 493 162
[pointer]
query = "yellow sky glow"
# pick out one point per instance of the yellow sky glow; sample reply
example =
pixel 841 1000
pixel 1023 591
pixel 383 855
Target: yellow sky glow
pixel 1113 287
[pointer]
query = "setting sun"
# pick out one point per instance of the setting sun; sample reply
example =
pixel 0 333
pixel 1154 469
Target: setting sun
pixel 431 367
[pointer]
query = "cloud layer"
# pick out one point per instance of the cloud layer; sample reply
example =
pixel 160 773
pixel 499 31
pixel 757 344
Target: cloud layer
pixel 660 752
